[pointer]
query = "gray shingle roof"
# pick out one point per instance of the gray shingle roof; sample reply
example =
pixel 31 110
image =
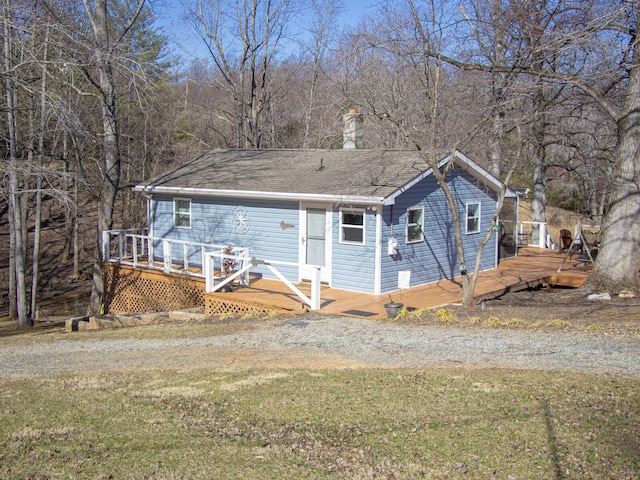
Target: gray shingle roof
pixel 325 173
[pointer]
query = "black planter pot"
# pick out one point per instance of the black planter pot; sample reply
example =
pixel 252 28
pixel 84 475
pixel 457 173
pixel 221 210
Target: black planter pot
pixel 393 309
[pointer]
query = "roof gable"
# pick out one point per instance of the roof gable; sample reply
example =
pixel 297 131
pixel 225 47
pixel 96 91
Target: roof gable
pixel 462 161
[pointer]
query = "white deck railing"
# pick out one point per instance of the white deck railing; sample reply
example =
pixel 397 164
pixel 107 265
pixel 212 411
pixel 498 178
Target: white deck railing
pixel 216 283
pixel 139 250
pixel 534 234
pixel 222 264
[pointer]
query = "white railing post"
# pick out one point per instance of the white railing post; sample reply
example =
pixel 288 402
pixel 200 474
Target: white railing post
pixel 315 289
pixel 166 254
pixel 134 246
pixel 105 245
pixel 143 245
pixel 208 272
pixel 120 245
pixel 245 259
pixel 543 235
pixel 150 251
pixel 185 256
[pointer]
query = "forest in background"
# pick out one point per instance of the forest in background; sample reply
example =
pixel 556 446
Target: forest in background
pixel 539 92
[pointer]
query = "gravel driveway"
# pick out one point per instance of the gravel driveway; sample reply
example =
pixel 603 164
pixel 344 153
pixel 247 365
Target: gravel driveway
pixel 329 342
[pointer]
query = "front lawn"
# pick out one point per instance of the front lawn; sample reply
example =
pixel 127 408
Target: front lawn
pixel 362 423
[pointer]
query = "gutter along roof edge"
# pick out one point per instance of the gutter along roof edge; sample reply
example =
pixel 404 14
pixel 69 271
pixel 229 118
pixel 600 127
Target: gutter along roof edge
pixel 255 195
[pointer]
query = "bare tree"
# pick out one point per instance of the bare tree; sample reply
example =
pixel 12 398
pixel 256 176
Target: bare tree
pixel 42 123
pixel 420 105
pixel 106 91
pixel 29 104
pixel 325 13
pixel 618 262
pixel 96 38
pixel 243 38
pixel 583 39
pixel 490 22
pixel 11 34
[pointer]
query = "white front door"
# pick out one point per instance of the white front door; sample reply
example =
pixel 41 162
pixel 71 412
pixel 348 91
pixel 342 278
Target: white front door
pixel 315 241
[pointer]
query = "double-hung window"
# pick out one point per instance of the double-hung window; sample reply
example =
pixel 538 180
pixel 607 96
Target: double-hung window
pixel 352 226
pixel 473 217
pixel 415 223
pixel 182 212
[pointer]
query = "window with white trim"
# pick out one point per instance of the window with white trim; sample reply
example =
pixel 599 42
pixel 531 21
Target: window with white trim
pixel 182 212
pixel 352 226
pixel 473 217
pixel 415 222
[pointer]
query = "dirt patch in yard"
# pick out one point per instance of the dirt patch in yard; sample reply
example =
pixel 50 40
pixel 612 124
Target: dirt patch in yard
pixel 553 309
pixel 541 309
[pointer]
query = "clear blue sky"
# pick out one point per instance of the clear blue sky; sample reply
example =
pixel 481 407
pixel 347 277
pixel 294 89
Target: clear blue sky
pixel 186 45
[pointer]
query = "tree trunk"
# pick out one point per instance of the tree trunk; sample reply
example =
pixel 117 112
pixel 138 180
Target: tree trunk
pixel 15 200
pixel 539 198
pixel 35 268
pixel 111 151
pixel 468 283
pixel 76 242
pixel 496 141
pixel 13 306
pixel 618 260
pixel 68 222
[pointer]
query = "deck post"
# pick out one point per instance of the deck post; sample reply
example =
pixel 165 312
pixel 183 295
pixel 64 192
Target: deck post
pixel 134 247
pixel 166 253
pixel 543 235
pixel 143 246
pixel 245 261
pixel 121 251
pixel 150 251
pixel 208 273
pixel 315 289
pixel 105 245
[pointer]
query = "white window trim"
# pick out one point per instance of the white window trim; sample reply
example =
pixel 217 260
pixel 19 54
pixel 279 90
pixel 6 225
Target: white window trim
pixel 467 217
pixel 421 239
pixel 362 227
pixel 176 199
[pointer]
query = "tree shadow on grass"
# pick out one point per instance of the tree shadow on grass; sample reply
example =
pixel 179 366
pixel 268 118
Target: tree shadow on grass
pixel 552 441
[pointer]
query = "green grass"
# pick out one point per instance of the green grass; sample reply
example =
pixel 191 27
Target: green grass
pixel 360 424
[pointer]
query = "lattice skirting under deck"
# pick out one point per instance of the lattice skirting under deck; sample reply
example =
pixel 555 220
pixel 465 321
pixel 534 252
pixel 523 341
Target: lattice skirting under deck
pixel 134 290
pixel 219 304
pixel 130 290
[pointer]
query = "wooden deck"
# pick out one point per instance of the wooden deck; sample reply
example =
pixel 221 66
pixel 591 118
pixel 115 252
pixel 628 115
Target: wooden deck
pixel 531 268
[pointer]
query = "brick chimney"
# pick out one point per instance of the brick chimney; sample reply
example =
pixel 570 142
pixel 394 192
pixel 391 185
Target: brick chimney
pixel 352 133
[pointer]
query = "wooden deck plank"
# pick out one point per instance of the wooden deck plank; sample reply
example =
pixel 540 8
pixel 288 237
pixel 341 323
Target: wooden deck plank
pixel 532 267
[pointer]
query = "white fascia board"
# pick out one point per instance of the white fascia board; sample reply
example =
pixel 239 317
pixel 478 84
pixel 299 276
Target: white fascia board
pixel 254 195
pixel 464 162
pixel 477 171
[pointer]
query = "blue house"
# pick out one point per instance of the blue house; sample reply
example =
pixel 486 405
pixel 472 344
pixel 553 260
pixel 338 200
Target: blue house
pixel 371 221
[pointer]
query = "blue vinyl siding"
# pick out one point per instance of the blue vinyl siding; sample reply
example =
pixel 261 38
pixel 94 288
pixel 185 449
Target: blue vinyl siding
pixel 436 258
pixel 212 222
pixel 353 266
